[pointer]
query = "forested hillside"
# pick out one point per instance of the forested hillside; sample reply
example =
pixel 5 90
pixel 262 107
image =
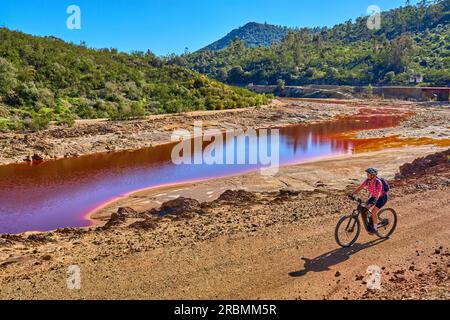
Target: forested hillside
pixel 413 40
pixel 45 79
pixel 253 35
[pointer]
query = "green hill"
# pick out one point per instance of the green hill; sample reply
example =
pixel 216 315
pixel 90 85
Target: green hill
pixel 44 79
pixel 413 40
pixel 253 35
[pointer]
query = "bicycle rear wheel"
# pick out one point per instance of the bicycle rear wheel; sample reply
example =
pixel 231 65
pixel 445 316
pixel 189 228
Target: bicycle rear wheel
pixel 347 231
pixel 387 219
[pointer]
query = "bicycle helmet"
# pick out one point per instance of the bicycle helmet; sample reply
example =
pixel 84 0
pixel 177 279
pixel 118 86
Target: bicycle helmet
pixel 372 171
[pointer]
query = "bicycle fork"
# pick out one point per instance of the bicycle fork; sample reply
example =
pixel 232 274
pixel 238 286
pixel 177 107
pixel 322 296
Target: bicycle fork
pixel 352 222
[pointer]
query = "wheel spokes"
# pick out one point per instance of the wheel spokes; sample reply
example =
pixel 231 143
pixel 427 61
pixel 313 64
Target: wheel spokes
pixel 347 234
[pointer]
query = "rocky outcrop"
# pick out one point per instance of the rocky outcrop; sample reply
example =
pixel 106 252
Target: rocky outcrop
pixel 116 218
pixel 420 166
pixel 179 206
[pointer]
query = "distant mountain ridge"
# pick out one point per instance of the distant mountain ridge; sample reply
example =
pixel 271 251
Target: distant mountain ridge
pixel 413 42
pixel 253 34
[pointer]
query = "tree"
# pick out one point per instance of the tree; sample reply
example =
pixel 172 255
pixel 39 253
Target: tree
pixel 39 75
pixel 237 45
pixel 401 52
pixel 235 75
pixel 281 84
pixel 8 78
pixel 222 75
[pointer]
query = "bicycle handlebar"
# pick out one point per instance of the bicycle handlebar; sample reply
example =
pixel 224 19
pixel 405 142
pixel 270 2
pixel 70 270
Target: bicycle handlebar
pixel 352 197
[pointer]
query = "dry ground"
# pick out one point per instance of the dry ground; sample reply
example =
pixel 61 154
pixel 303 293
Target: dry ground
pixel 244 245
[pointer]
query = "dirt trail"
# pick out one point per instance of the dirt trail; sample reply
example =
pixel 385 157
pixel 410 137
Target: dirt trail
pixel 298 261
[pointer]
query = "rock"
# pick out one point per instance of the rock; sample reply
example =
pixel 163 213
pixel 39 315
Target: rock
pixel 130 213
pixel 146 224
pixel 398 272
pixel 126 211
pixel 177 207
pixel 286 193
pixel 237 196
pixel 11 237
pixel 320 184
pixel 37 157
pixel 38 238
pixel 337 274
pixel 64 230
pixel 46 257
pixel 10 261
pixel 71 155
pixel 359 278
pixel 116 218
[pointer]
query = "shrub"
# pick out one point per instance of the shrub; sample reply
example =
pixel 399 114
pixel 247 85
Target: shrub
pixel 40 120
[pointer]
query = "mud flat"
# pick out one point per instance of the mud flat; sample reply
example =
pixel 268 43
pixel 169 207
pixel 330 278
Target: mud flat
pixel 427 122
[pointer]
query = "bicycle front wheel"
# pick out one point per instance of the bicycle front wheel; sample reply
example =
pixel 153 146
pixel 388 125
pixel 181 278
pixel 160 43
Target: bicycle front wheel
pixel 347 231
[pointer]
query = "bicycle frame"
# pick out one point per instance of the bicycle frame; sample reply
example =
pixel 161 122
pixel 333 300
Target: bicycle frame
pixel 359 211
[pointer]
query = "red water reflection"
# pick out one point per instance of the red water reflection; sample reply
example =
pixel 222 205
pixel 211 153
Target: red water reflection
pixel 60 193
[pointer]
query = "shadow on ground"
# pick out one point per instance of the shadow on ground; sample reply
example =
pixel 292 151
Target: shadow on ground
pixel 331 258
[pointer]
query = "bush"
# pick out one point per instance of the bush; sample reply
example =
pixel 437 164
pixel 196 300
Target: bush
pixel 39 120
pixel 11 124
pixel 129 110
pixel 66 118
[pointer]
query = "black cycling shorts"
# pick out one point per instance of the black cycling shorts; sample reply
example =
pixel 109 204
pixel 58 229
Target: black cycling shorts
pixel 380 203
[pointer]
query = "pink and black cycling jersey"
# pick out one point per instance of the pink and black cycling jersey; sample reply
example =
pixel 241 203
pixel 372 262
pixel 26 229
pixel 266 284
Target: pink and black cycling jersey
pixel 374 186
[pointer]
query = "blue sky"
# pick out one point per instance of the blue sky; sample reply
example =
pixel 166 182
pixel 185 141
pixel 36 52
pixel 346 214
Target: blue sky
pixel 169 26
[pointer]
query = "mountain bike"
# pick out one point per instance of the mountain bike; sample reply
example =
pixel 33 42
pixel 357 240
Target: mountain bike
pixel 349 227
